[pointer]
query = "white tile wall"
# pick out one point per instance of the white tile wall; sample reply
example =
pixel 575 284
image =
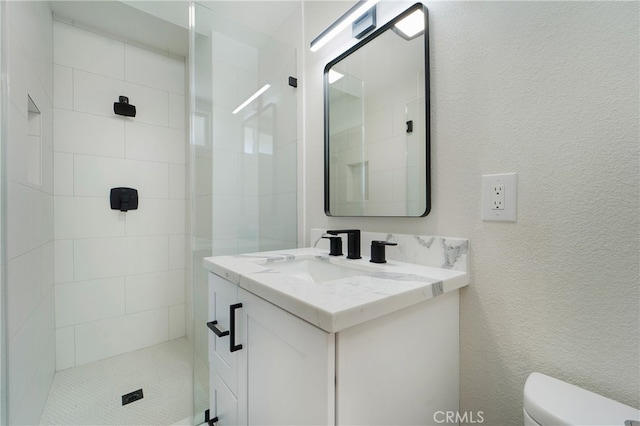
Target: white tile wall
pixel 227 172
pixel 84 301
pixel 24 297
pixel 237 64
pixel 177 321
pixel 155 143
pixel 177 116
pixel 177 181
pixel 62 87
pixel 120 277
pixel 47 267
pixel 63 173
pixel 87 51
pixel 232 51
pixel 65 347
pixel 32 364
pixel 152 291
pixel 147 254
pixel 29 212
pixel 63 261
pixel 30 218
pixel 153 70
pixel 95 176
pixel 103 339
pixel 177 251
pixel 149 178
pixel 80 133
pixel 86 217
pixel 250 179
pixel 157 217
pixel 95 258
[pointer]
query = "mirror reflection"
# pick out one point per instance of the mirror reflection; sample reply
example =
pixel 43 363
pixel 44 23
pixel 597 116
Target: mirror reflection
pixel 376 123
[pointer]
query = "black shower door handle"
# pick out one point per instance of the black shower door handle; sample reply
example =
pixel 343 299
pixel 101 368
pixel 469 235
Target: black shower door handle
pixel 232 317
pixel 220 333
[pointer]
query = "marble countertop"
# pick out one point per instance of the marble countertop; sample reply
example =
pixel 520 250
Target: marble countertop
pixel 340 303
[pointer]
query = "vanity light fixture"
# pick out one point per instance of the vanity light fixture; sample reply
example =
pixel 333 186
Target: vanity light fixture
pixel 411 26
pixel 359 9
pixel 334 76
pixel 252 98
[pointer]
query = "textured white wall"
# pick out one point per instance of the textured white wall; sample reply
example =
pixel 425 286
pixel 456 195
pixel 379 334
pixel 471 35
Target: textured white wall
pixel 548 90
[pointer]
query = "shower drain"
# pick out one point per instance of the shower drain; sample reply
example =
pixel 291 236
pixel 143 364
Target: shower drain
pixel 132 397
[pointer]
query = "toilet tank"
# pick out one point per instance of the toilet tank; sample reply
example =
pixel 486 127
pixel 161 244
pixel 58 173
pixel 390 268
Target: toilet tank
pixel 550 401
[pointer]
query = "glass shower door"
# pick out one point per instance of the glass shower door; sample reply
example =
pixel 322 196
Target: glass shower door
pixel 243 151
pixel 3 191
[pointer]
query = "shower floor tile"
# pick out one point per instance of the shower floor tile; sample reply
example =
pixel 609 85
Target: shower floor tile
pixel 91 394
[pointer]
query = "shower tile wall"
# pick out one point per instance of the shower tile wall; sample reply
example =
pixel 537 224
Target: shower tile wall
pixel 119 277
pixel 254 151
pixel 29 209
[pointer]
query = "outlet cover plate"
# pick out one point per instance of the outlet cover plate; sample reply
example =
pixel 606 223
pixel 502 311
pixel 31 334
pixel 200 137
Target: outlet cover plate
pixel 509 181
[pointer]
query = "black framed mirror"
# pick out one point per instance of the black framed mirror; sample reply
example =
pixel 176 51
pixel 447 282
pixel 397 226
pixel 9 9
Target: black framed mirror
pixel 376 122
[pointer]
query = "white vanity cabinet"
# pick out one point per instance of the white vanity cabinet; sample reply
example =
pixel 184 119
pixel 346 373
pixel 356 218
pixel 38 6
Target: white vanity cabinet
pixel 223 363
pixel 399 368
pixel 282 374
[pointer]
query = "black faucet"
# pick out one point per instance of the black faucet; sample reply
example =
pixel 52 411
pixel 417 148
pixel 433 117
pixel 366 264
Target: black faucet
pixel 378 252
pixel 353 242
pixel 335 245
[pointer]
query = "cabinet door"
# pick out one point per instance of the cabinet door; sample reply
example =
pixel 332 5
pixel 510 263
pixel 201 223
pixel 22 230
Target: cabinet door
pixel 222 403
pixel 402 368
pixel 290 367
pixel 222 294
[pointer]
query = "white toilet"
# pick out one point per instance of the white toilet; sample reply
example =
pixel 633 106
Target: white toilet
pixel 549 401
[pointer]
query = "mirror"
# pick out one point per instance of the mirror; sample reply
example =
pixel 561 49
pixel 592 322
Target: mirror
pixel 376 123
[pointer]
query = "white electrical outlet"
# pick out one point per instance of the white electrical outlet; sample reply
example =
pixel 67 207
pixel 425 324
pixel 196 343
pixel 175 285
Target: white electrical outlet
pixel 499 195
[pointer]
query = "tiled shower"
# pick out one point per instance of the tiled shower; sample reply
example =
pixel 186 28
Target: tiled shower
pixel 28 236
pixel 86 284
pixel 120 276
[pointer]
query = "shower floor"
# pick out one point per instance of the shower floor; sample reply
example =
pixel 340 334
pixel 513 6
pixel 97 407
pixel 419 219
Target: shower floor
pixel 91 394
